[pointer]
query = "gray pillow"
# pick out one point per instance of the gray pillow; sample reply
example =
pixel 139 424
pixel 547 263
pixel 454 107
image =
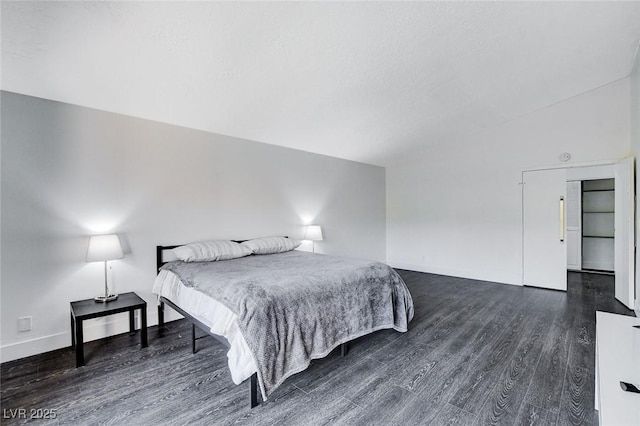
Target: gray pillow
pixel 211 251
pixel 271 245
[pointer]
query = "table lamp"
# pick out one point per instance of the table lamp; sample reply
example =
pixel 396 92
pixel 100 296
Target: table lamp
pixel 313 233
pixel 103 248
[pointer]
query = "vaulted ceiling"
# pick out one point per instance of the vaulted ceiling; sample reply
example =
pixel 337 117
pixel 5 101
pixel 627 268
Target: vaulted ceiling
pixel 356 80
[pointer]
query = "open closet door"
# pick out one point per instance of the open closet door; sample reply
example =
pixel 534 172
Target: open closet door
pixel 544 247
pixel 624 232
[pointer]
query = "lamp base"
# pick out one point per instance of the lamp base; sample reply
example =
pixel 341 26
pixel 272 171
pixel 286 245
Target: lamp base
pixel 105 299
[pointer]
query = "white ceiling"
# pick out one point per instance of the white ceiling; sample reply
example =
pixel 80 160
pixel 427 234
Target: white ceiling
pixel 356 80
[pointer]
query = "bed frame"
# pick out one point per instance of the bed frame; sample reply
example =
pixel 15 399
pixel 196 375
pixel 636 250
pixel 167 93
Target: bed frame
pixel 196 323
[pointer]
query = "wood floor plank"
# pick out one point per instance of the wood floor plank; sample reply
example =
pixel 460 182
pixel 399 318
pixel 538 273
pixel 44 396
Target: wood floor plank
pixel 452 415
pixel 334 365
pixel 530 415
pixel 382 410
pixel 439 324
pixel 546 386
pixel 445 345
pixel 503 404
pixel 306 409
pixel 472 394
pixel 457 360
pixel 360 383
pixel 577 397
pixel 576 404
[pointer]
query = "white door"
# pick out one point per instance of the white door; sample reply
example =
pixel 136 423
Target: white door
pixel 624 234
pixel 544 247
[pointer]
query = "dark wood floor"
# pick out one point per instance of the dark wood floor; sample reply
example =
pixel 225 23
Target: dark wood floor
pixel 476 353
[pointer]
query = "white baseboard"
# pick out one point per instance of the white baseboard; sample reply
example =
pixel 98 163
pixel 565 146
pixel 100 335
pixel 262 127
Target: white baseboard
pixel 602 266
pixel 35 346
pixel 452 273
pixel 92 331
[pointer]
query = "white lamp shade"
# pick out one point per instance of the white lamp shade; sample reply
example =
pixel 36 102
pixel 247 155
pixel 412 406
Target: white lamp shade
pixel 103 248
pixel 313 233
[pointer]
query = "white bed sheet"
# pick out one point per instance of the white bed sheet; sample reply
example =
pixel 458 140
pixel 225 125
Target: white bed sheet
pixel 216 316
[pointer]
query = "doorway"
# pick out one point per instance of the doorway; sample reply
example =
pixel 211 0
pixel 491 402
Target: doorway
pixel 546 235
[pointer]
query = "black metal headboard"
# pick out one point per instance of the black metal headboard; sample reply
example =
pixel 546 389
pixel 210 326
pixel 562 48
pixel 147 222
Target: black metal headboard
pixel 160 249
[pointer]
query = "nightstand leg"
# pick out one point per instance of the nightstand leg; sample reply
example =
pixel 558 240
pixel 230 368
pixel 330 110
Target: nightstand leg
pixel 132 321
pixel 143 328
pixel 79 344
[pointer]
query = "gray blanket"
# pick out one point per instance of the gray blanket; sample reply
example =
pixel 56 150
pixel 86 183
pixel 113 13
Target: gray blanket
pixel 296 306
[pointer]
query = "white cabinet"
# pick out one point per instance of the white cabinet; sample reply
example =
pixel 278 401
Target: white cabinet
pixel 617 359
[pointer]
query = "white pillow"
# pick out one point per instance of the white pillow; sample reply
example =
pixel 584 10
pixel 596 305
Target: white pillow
pixel 211 251
pixel 271 245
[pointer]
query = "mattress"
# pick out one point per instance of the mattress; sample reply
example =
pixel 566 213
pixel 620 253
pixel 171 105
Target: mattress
pixel 220 320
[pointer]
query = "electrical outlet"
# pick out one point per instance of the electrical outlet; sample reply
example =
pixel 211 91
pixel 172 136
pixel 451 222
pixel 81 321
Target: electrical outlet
pixel 24 323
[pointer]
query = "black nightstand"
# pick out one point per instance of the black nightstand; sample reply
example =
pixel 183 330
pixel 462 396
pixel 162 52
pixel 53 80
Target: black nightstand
pixel 87 309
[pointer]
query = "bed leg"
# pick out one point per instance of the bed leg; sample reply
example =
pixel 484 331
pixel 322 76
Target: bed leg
pixel 160 317
pixel 344 348
pixel 254 390
pixel 193 338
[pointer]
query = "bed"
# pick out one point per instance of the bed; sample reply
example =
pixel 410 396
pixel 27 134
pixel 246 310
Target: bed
pixel 278 310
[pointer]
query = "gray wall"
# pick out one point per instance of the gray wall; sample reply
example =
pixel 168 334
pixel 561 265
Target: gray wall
pixel 69 172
